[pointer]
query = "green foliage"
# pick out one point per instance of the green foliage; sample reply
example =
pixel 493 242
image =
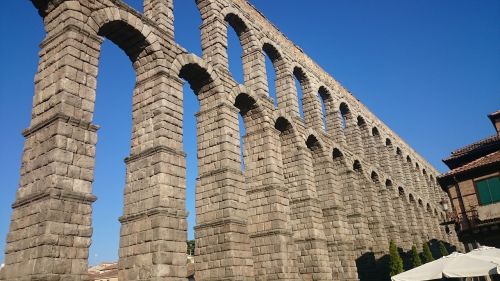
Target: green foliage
pixel 426 255
pixel 395 260
pixel 190 247
pixel 415 258
pixel 442 249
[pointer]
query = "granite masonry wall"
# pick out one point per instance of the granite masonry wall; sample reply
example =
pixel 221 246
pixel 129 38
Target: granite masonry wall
pixel 321 195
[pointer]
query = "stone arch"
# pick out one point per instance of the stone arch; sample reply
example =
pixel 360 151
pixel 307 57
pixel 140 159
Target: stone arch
pixel 388 142
pixel 247 40
pixel 282 124
pixel 245 32
pixel 411 199
pixel 345 114
pixel 402 192
pixel 306 103
pixel 284 83
pixel 357 167
pixel 315 143
pixel 197 72
pixel 327 108
pixel 238 90
pixel 134 37
pixel 374 176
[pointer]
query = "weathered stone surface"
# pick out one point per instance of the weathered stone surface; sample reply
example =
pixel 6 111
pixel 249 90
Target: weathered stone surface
pixel 320 195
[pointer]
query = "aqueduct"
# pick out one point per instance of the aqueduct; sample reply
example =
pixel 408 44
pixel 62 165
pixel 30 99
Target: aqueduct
pixel 318 193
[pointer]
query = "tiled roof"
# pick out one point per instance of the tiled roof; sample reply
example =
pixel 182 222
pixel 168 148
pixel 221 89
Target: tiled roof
pixel 480 162
pixel 484 142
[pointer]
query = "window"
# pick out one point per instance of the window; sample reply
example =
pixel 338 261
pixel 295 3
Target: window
pixel 488 190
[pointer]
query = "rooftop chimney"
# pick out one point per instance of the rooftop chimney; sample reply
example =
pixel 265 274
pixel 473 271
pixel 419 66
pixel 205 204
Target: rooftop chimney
pixel 495 119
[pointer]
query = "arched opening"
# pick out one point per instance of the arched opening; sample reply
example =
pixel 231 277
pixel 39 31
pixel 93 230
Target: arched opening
pixel 366 147
pixel 374 177
pixel 218 179
pixel 356 166
pixel 325 98
pixel 345 114
pixel 300 86
pixel 113 106
pixel 273 62
pixel 401 192
pixel 237 35
pixel 191 106
pixel 388 184
pixel 337 154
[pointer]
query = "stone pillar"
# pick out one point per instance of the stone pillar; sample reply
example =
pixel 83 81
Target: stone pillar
pixel 50 230
pixel 338 132
pixel 415 229
pixel 356 214
pixel 372 208
pixel 397 168
pixel 338 235
pixel 162 13
pixel 213 38
pixel 404 240
pixel 307 218
pixel 388 214
pixel 384 157
pixel 153 226
pixel 254 67
pixel 353 136
pixel 222 240
pixel 423 226
pixel 274 251
pixel 313 113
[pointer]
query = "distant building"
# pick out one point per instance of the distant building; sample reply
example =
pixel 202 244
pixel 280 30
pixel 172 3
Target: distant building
pixel 104 272
pixel 473 186
pixel 108 271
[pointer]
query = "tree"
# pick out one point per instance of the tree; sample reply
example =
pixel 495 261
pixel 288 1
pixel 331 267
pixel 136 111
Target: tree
pixel 442 249
pixel 426 255
pixel 395 260
pixel 190 247
pixel 415 257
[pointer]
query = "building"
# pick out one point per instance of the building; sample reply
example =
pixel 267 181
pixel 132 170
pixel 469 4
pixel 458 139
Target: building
pixel 104 272
pixel 473 186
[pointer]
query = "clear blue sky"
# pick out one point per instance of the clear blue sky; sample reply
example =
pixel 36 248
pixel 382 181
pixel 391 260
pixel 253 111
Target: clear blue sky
pixel 429 69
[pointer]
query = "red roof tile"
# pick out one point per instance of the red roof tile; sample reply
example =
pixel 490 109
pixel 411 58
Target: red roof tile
pixel 480 162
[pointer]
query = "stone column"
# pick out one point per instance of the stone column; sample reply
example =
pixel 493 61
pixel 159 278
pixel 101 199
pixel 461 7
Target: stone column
pixel 338 132
pixel 162 13
pixel 213 38
pixel 274 251
pixel 254 66
pixel 338 235
pixel 307 218
pixel 223 244
pixel 384 157
pixel 50 230
pixel 372 208
pixel 285 90
pixel 415 229
pixel 355 211
pixel 153 226
pixel 404 240
pixel 423 226
pixel 313 113
pixel 388 214
pixel 353 136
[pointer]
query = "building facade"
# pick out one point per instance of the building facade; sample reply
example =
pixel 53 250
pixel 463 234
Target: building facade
pixel 473 186
pixel 320 198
